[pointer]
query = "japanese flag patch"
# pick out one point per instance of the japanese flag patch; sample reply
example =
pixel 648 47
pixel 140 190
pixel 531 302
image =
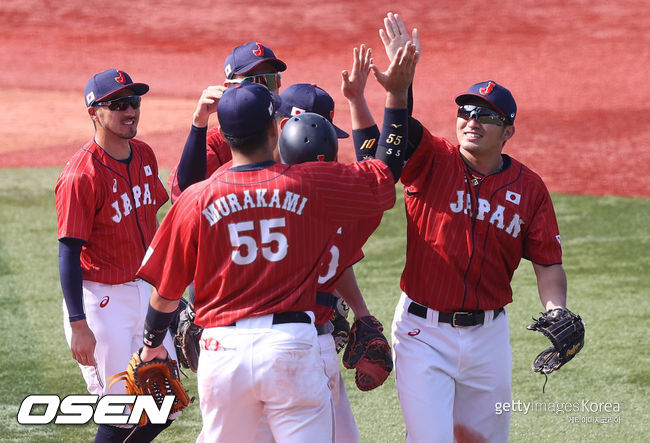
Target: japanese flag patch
pixel 513 197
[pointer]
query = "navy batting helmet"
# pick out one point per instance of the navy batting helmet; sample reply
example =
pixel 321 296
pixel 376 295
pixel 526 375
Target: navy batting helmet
pixel 308 137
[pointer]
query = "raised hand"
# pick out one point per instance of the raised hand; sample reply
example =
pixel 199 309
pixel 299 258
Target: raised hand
pixel 207 105
pixel 395 36
pixel 353 84
pixel 399 75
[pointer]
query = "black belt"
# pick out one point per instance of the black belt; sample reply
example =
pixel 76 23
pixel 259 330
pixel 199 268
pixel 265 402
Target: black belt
pixel 456 318
pixel 287 317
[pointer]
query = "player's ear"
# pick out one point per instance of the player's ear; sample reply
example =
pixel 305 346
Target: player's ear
pixel 92 111
pixel 508 132
pixel 283 122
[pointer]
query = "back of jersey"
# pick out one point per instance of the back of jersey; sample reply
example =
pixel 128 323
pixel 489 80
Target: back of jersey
pixel 251 238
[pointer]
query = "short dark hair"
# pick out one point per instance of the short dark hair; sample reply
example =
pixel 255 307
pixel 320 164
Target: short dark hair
pixel 250 143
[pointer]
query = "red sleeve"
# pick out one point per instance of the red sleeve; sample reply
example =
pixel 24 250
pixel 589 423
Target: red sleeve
pixel 76 202
pixel 424 157
pixel 542 244
pixel 170 261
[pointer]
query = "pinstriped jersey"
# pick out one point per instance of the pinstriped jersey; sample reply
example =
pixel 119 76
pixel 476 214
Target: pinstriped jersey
pixel 217 153
pixel 343 252
pixel 112 207
pixel 251 238
pixel 466 233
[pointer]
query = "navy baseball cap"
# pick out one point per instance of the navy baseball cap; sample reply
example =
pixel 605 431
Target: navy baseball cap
pixel 246 108
pixel 494 94
pixel 245 57
pixel 303 97
pixel 108 82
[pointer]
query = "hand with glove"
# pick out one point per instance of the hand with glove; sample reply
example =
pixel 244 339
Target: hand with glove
pixel 186 339
pixel 369 353
pixel 566 331
pixel 157 378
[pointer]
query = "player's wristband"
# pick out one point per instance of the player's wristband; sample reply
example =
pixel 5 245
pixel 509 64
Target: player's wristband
pixel 156 324
pixel 365 142
pixel 393 140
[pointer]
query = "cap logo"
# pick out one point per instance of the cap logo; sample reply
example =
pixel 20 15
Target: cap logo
pixel 120 78
pixel 228 69
pixel 259 52
pixel 295 110
pixel 487 89
pixel 321 157
pixel 90 97
pixel 271 108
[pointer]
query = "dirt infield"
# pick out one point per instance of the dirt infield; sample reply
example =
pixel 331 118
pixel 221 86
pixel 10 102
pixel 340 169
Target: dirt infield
pixel 577 70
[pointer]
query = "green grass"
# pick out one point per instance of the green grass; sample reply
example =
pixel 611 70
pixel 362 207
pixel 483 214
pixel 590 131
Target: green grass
pixel 606 256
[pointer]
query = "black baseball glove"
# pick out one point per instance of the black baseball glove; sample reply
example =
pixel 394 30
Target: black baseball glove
pixel 369 353
pixel 186 339
pixel 566 331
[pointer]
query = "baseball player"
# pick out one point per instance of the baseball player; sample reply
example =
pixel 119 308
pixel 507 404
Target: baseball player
pixel 344 251
pixel 107 197
pixel 252 62
pixel 251 238
pixel 303 142
pixel 473 212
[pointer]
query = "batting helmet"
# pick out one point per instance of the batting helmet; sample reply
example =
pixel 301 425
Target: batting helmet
pixel 308 137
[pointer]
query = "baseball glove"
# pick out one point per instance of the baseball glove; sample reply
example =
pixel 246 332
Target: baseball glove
pixel 186 339
pixel 157 378
pixel 369 353
pixel 566 331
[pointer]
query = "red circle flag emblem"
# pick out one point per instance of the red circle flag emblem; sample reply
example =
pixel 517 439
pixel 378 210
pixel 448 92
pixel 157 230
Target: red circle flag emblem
pixel 104 302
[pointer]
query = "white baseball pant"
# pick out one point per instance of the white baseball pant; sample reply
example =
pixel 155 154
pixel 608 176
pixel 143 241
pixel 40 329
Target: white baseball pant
pixel 255 368
pixel 449 379
pixel 345 427
pixel 115 314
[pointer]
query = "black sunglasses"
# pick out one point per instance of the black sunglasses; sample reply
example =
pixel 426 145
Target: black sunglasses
pixel 122 103
pixel 481 114
pixel 272 80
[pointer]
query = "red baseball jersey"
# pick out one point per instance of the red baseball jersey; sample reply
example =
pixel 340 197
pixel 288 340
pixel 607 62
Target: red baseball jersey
pixel 217 153
pixel 466 233
pixel 111 206
pixel 252 238
pixel 343 251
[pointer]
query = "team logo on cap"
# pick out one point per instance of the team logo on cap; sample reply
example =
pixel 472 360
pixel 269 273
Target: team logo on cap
pixel 259 52
pixel 271 108
pixel 90 97
pixel 120 78
pixel 296 110
pixel 487 89
pixel 228 70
